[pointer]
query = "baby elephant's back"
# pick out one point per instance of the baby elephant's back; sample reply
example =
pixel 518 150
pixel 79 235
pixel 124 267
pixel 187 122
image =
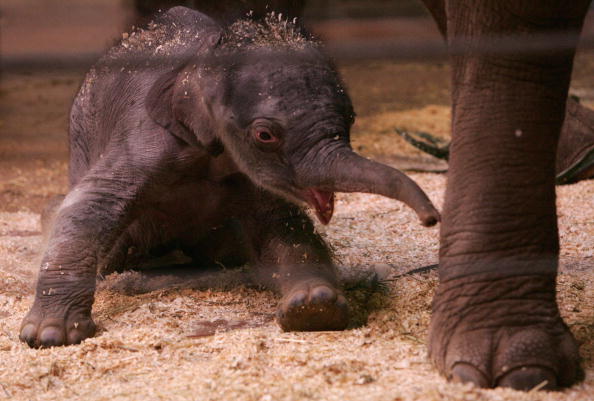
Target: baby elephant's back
pixel 173 36
pixel 110 101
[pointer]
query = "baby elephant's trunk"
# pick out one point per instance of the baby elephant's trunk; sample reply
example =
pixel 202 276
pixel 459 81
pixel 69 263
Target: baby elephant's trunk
pixel 354 173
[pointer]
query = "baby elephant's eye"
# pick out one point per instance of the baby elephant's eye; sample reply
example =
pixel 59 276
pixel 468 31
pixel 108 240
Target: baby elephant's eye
pixel 264 135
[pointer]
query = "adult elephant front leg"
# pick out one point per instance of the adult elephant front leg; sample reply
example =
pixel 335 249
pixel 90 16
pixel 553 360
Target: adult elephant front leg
pixel 495 319
pixel 86 226
pixel 575 153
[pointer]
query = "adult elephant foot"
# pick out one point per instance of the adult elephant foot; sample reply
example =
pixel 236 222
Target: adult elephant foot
pixel 502 332
pixel 313 305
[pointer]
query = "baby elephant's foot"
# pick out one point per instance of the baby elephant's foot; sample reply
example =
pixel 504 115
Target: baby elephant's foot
pixel 503 332
pixel 313 305
pixel 60 325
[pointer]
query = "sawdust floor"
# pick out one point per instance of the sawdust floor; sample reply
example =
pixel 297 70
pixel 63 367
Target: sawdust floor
pixel 212 336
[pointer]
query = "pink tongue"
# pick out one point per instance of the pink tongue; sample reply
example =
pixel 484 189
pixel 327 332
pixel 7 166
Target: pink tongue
pixel 323 202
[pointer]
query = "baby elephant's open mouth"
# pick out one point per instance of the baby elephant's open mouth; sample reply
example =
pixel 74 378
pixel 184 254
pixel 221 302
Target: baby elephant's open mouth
pixel 322 202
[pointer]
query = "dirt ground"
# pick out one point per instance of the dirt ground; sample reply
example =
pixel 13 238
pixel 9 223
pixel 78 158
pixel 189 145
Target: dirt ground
pixel 211 335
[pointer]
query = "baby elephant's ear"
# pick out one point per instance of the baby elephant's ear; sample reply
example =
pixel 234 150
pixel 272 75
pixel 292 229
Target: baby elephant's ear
pixel 181 102
pixel 173 104
pixel 160 107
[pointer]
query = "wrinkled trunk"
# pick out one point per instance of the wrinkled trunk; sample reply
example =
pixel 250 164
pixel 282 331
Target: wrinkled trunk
pixel 350 172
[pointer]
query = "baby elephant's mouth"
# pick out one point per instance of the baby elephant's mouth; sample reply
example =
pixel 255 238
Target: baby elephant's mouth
pixel 322 202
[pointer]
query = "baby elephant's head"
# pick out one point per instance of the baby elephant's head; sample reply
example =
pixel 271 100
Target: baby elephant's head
pixel 284 116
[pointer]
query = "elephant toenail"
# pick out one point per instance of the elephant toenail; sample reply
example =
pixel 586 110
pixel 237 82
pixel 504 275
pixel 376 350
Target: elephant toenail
pixel 75 336
pixel 529 378
pixel 297 300
pixel 322 294
pixel 466 373
pixel 28 334
pixel 51 337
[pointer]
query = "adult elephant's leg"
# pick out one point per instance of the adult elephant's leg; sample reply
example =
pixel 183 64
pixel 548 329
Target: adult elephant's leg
pixel 575 156
pixel 495 319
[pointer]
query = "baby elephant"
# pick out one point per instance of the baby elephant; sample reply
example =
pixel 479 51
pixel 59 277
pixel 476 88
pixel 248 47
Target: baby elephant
pixel 194 137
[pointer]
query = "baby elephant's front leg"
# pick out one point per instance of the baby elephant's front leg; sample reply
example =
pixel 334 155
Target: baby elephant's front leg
pixel 297 262
pixel 86 223
pixel 311 299
pixel 61 311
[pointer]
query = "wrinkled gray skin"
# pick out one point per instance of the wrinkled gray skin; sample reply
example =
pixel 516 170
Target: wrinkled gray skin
pixel 185 136
pixel 495 320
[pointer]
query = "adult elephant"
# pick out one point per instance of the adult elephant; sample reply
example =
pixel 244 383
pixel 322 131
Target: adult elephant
pixel 495 319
